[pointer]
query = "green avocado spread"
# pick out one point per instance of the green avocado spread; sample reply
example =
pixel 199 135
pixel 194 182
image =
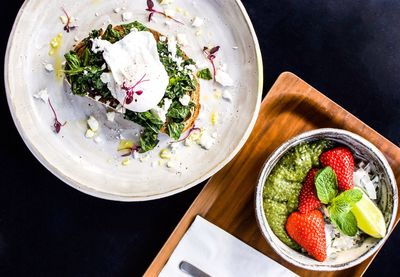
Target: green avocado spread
pixel 283 185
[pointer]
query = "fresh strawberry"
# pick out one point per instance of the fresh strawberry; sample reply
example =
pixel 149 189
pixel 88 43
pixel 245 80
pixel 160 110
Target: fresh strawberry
pixel 309 232
pixel 341 160
pixel 308 199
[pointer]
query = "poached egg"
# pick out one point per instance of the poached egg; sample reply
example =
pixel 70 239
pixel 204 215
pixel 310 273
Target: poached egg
pixel 138 79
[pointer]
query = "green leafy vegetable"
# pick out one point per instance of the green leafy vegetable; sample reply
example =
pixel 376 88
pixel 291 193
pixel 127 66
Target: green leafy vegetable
pixel 84 68
pixel 148 140
pixel 179 112
pixel 111 34
pixel 345 222
pixel 340 211
pixel 205 74
pixel 137 25
pixel 326 185
pixel 175 130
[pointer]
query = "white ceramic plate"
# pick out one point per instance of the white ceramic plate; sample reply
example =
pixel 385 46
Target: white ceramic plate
pixel 95 168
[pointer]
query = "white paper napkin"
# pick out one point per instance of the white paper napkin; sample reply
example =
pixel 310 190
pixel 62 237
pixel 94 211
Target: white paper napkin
pixel 218 253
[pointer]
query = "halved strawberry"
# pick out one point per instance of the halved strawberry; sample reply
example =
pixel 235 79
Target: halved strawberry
pixel 308 199
pixel 341 160
pixel 309 232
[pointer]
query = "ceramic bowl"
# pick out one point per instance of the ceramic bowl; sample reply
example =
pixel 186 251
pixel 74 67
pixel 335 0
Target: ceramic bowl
pixel 94 167
pixel 387 195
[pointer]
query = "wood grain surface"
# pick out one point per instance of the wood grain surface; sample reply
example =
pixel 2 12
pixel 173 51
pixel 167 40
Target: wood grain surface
pixel 290 108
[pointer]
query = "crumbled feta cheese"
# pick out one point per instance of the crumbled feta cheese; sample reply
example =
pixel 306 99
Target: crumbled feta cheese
pixel 126 16
pixel 96 14
pixel 197 22
pixel 163 38
pixel 223 78
pixel 190 67
pixel 110 116
pixel 93 123
pixel 49 67
pixel 117 10
pixel 97 97
pixel 103 66
pixel 206 141
pixel 227 95
pixel 98 139
pixel 43 95
pixel 172 47
pixel 89 133
pixel 76 38
pixel 169 12
pixel 185 100
pixel 214 135
pixel 162 112
pixel 120 109
pixel 98 44
pixel 182 39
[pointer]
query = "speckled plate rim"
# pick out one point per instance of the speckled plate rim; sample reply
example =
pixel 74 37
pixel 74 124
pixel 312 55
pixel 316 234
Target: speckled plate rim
pixel 271 161
pixel 115 197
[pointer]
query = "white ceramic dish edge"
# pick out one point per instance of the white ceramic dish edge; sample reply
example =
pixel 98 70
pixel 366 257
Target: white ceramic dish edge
pixel 123 198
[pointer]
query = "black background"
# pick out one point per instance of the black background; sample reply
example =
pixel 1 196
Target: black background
pixel 347 49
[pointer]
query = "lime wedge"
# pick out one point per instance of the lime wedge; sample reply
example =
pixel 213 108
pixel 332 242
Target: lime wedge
pixel 369 218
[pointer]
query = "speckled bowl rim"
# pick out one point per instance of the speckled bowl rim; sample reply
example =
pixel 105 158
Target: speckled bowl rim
pixel 133 198
pixel 270 163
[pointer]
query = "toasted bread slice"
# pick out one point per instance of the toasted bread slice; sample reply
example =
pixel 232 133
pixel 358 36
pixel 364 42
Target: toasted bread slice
pixel 194 95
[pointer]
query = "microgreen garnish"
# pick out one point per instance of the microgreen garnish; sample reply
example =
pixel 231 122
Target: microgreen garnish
pixel 150 8
pixel 130 90
pixel 194 128
pixel 67 26
pixel 210 54
pixel 57 124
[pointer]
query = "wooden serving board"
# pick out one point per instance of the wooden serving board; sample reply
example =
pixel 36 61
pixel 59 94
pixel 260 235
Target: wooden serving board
pixel 290 108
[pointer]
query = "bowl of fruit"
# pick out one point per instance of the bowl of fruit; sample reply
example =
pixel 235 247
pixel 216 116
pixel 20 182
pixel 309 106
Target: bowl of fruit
pixel 326 200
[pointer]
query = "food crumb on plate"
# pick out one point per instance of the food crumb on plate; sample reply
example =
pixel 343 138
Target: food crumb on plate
pixel 42 95
pixel 197 22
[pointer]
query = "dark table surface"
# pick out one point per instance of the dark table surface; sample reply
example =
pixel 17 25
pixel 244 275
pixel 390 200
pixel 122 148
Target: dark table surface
pixel 347 49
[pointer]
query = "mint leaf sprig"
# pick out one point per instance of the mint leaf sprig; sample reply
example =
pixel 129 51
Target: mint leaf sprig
pixel 339 206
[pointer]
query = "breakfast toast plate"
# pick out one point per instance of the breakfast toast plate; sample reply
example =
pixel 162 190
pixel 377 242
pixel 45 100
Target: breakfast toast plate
pixel 291 107
pixel 94 166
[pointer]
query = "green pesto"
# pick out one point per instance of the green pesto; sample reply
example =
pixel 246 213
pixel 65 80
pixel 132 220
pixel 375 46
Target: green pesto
pixel 283 185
